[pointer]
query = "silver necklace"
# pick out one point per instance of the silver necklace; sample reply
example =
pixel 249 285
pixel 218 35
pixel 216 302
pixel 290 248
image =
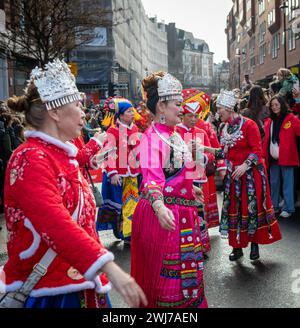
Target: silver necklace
pixel 181 148
pixel 229 140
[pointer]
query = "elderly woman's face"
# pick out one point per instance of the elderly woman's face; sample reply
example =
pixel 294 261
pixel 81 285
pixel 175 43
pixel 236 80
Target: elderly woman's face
pixel 224 114
pixel 128 116
pixel 71 121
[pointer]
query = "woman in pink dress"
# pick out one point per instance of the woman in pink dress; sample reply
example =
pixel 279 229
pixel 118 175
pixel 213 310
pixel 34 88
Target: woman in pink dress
pixel 167 253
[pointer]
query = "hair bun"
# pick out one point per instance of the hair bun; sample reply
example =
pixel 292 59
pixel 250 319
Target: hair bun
pixel 18 104
pixel 150 83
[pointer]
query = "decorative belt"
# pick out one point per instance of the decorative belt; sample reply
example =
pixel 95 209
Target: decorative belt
pixel 180 201
pixel 174 200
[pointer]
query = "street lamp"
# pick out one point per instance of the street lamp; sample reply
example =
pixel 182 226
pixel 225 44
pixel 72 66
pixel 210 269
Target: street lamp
pixel 283 7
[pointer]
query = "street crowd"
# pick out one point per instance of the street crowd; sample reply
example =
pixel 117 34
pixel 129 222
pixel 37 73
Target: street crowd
pixel 162 162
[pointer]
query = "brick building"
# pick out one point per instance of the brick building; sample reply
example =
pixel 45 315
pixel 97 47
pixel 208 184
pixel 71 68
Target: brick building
pixel 256 39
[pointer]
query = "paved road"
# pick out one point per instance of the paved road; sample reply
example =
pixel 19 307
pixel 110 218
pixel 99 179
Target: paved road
pixel 265 283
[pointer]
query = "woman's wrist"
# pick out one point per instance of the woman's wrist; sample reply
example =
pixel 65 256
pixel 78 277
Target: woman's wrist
pixel 157 206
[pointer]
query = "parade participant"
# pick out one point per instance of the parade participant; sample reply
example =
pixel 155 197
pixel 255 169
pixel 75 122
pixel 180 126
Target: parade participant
pixel 120 177
pixel 166 249
pixel 187 129
pixel 49 207
pixel 211 205
pixel 256 108
pixel 281 154
pixel 248 214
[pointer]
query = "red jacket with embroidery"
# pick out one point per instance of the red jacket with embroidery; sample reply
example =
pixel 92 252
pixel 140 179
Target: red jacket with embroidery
pixel 43 190
pixel 127 141
pixel 288 153
pixel 249 147
pixel 86 153
pixel 212 135
pixel 191 134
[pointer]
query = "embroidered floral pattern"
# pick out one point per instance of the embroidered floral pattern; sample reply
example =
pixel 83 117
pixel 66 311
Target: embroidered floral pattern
pixel 19 163
pixel 48 241
pixel 169 189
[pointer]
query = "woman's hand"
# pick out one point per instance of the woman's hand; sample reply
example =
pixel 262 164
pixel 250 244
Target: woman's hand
pixel 116 180
pixel 240 171
pixel 102 137
pixel 198 193
pixel 166 218
pixel 125 285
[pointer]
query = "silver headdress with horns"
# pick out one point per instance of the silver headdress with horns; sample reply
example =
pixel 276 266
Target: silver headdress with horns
pixel 56 84
pixel 227 99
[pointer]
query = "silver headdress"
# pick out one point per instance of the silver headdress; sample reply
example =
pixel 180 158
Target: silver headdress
pixel 169 88
pixel 227 99
pixel 56 84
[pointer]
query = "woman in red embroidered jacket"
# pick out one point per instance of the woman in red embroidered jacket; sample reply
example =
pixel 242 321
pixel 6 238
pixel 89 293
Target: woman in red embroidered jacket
pixel 48 203
pixel 281 153
pixel 248 214
pixel 120 176
pixel 191 110
pixel 211 206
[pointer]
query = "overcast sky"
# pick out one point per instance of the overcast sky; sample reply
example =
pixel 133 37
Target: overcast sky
pixel 205 18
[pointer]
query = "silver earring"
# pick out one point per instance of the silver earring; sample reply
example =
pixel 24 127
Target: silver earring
pixel 162 119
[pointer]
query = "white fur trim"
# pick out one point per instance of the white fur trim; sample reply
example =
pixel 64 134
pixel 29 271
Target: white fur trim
pixel 100 289
pixel 124 125
pixel 10 288
pixel 222 168
pixel 100 144
pixel 127 175
pixel 62 290
pixel 74 162
pixel 111 173
pixel 181 125
pixel 71 149
pixel 92 272
pixel 35 244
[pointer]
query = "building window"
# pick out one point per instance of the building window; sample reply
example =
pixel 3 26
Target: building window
pixel 271 17
pixel 241 10
pixel 262 54
pixel 291 40
pixel 252 61
pixel 262 32
pixel 252 46
pixel 261 6
pixel 275 45
pixel 248 5
pixel 292 5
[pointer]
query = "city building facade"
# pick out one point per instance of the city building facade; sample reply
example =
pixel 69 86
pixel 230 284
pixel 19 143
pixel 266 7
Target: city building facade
pixel 190 59
pixel 122 54
pixel 262 36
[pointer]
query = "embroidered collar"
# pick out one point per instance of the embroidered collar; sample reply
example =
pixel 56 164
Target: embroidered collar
pixel 124 125
pixel 181 125
pixel 163 128
pixel 69 148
